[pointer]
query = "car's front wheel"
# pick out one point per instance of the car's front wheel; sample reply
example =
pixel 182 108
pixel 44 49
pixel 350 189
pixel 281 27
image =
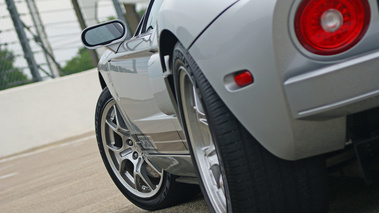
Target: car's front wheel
pixel 238 174
pixel 136 177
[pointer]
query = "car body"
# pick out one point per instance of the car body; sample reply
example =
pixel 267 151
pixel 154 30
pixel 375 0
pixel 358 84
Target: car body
pixel 298 102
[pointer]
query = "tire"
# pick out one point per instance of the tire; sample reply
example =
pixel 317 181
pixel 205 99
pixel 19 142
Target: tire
pixel 138 179
pixel 237 174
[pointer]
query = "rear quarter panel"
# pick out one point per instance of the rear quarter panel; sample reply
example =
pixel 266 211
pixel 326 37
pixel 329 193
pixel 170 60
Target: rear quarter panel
pixel 258 36
pixel 187 19
pixel 243 38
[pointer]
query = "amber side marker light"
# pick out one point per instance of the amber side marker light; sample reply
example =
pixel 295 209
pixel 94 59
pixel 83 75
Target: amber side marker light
pixel 328 27
pixel 243 78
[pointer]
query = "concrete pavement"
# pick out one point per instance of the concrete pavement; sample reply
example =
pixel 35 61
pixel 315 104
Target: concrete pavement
pixel 64 177
pixel 70 177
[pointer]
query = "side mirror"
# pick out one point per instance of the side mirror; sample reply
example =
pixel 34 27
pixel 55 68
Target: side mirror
pixel 104 34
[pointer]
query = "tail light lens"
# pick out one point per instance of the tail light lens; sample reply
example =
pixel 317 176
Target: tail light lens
pixel 243 78
pixel 328 27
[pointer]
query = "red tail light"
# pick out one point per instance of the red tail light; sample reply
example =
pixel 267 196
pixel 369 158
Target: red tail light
pixel 328 27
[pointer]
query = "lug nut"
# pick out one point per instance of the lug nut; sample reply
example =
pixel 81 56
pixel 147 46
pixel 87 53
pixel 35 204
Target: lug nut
pixel 129 142
pixel 135 155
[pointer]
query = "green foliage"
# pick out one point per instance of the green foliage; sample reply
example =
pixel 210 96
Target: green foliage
pixel 10 76
pixel 110 18
pixel 81 62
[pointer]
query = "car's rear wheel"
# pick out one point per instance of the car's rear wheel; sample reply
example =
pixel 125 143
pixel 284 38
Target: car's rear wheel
pixel 136 177
pixel 237 174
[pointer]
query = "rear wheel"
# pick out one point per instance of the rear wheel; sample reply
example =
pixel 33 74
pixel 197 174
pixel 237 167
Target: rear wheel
pixel 136 177
pixel 237 174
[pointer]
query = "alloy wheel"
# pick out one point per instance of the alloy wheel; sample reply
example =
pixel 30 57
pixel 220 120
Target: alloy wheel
pixel 126 158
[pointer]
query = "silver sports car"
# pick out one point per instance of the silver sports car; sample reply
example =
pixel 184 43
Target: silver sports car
pixel 253 101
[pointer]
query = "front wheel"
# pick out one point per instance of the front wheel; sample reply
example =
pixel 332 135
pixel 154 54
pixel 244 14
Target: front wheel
pixel 136 177
pixel 237 174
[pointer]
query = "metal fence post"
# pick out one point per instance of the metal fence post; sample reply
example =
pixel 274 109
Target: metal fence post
pixel 28 54
pixel 121 16
pixel 79 15
pixel 47 50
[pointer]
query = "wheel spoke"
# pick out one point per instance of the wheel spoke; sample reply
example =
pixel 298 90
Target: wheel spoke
pixel 120 129
pixel 145 178
pixel 126 154
pixel 141 175
pixel 113 148
pixel 199 109
pixel 113 121
pixel 210 150
pixel 121 166
pixel 214 165
pixel 201 117
pixel 111 125
pixel 217 175
pixel 115 153
pixel 115 116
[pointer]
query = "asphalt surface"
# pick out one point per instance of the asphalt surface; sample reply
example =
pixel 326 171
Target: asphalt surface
pixel 69 177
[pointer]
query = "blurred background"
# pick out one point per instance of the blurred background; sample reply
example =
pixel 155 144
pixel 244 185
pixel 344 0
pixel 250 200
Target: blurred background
pixel 40 39
pixel 48 80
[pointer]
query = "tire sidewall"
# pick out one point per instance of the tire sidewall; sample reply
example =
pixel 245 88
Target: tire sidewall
pixel 182 58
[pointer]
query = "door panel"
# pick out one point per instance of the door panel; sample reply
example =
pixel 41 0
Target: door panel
pixel 137 78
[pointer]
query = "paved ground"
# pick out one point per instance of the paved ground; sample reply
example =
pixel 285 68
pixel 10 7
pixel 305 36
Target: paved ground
pixel 70 177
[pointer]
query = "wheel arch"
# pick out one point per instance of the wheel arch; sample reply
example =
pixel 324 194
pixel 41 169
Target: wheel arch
pixel 101 80
pixel 167 42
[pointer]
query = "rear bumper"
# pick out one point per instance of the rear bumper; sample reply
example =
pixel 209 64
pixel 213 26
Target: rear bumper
pixel 335 91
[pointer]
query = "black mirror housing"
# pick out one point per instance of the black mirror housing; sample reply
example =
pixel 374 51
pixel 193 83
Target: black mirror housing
pixel 104 34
